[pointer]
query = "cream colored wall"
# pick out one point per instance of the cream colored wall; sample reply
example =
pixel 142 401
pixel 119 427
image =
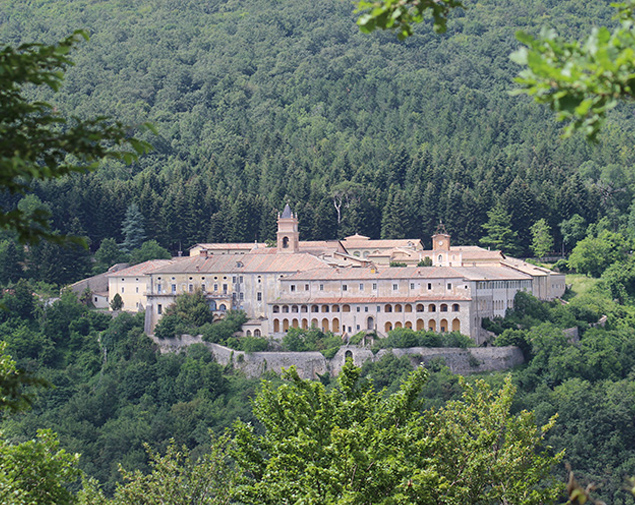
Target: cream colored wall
pixel 131 289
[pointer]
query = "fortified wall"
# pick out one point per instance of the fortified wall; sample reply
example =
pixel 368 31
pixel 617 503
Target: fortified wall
pixel 312 364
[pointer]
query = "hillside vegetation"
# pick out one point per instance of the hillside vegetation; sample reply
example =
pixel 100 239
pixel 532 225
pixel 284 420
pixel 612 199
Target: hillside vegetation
pixel 260 102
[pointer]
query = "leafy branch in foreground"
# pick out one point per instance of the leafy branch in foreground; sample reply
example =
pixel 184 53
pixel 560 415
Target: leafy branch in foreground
pixel 37 142
pixel 400 15
pixel 580 81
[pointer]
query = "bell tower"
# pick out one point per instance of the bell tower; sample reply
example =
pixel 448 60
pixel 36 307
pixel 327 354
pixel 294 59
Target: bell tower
pixel 288 235
pixel 440 246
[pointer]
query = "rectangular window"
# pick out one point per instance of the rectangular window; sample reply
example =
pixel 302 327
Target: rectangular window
pixel 159 288
pixel 358 309
pixel 321 287
pixel 361 287
pixel 233 295
pixel 173 288
pixel 240 279
pixel 344 287
pixel 374 286
pixel 203 288
pixel 429 286
pixel 215 287
pixel 234 279
pixel 136 290
pixel 122 289
pixel 191 288
pixel 159 309
pixel 395 287
pixel 378 308
pixel 306 287
pixel 259 297
pixel 292 287
pixel 242 296
pixel 225 288
pixel 412 285
pixel 449 286
pixel 365 309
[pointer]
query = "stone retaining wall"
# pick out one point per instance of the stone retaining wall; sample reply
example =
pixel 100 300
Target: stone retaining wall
pixel 312 364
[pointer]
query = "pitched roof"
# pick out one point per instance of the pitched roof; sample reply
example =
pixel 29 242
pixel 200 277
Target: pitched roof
pixel 365 243
pixel 244 263
pixel 286 213
pixel 368 299
pixel 362 273
pixel 146 267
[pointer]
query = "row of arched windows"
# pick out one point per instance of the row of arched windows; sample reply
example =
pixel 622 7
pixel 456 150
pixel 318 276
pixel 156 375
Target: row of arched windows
pixel 388 307
pixel 334 325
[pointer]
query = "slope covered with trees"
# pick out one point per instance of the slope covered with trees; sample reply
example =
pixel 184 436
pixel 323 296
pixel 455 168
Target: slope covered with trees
pixel 258 103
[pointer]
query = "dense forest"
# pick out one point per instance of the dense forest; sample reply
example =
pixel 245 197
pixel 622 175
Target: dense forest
pixel 259 103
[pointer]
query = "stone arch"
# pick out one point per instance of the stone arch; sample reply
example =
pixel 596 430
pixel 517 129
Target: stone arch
pixel 456 324
pixel 443 325
pixel 285 242
pixel 314 323
pixel 388 327
pixel 285 309
pixel 370 323
pixel 276 326
pixel 409 325
pixel 325 308
pixel 346 308
pixel 432 307
pixel 398 307
pixel 295 323
pixel 407 307
pixel 248 333
pixel 256 333
pixel 348 354
pixel 294 308
pixel 285 325
pixel 222 307
pixel 336 308
pixel 420 325
pixel 304 308
pixel 420 307
pixel 336 325
pixel 432 325
pixel 387 308
pixel 315 308
pixel 276 309
pixel 456 307
pixel 444 307
pixel 305 324
pixel 397 325
pixel 325 324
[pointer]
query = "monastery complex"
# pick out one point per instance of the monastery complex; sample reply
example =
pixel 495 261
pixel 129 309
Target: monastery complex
pixel 343 286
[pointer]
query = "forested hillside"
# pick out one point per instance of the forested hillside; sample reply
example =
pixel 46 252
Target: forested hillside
pixel 260 102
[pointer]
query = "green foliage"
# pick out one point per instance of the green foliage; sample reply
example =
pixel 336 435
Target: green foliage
pixel 117 302
pixel 581 81
pixel 593 255
pixel 63 147
pixel 425 262
pixel 573 230
pixel 315 442
pixel 399 16
pixel 500 235
pixel 133 229
pixel 541 239
pixel 149 250
pixel 178 478
pixel 37 471
pixel 107 255
pixel 406 337
pixel 398 264
pixel 313 339
pixel 224 329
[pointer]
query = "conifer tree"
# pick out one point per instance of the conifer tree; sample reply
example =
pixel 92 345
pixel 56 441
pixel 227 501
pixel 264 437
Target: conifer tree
pixel 133 229
pixel 499 231
pixel 542 241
